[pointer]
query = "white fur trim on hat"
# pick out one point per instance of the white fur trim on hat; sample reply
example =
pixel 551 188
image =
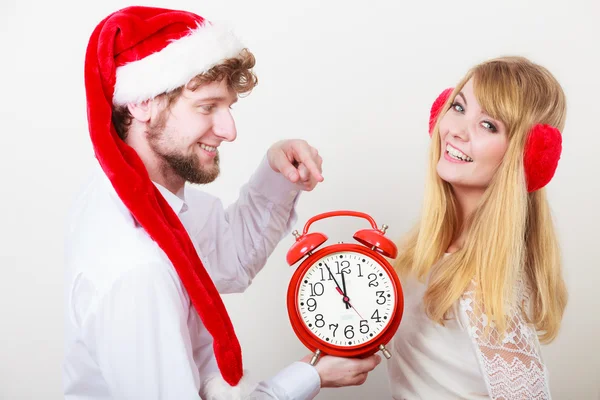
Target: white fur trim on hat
pixel 215 388
pixel 176 64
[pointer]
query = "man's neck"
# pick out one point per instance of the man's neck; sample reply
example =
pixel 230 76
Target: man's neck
pixel 158 171
pixel 165 177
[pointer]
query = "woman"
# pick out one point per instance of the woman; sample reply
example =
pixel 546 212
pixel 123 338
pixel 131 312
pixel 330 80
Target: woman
pixel 481 270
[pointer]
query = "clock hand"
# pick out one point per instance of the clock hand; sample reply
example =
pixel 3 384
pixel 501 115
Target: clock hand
pixel 355 310
pixel 338 288
pixel 346 298
pixel 345 294
pixel 347 302
pixel 330 274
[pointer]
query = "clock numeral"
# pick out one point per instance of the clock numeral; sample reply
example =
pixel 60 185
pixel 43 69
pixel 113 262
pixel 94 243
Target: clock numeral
pixel 380 296
pixel 364 324
pixel 312 304
pixel 349 332
pixel 323 275
pixel 376 316
pixel 336 326
pixel 316 289
pixel 372 282
pixel 360 275
pixel 345 267
pixel 319 321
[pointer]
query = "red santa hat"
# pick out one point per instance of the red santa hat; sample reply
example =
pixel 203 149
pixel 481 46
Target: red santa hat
pixel 133 55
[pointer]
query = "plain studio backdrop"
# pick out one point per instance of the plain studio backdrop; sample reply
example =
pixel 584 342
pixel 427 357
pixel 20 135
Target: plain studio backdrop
pixel 356 80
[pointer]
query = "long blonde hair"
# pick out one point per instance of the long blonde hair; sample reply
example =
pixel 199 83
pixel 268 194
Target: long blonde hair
pixel 511 233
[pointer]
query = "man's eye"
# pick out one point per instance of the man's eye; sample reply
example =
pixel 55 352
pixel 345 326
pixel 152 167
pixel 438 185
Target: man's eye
pixel 489 126
pixel 208 108
pixel 457 107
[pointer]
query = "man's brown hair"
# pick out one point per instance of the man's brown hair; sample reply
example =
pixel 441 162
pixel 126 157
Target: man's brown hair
pixel 237 71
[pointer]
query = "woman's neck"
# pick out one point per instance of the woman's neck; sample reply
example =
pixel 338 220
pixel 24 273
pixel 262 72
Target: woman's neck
pixel 467 201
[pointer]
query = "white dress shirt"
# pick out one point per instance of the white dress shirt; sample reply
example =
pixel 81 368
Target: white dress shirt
pixel 131 331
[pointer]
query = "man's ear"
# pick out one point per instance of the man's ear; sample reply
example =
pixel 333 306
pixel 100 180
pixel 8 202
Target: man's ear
pixel 141 111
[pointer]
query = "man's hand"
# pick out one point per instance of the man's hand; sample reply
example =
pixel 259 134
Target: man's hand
pixel 297 161
pixel 339 371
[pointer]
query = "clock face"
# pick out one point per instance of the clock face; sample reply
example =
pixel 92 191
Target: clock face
pixel 346 298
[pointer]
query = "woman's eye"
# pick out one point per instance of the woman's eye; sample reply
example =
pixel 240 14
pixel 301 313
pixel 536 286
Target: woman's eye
pixel 489 126
pixel 208 108
pixel 457 107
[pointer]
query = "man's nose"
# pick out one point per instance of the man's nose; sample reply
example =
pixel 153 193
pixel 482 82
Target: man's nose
pixel 224 126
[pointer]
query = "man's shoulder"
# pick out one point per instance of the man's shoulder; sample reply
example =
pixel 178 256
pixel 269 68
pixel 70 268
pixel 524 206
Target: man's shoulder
pixel 98 264
pixel 102 239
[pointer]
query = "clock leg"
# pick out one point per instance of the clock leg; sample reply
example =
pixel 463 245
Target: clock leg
pixel 315 357
pixel 385 351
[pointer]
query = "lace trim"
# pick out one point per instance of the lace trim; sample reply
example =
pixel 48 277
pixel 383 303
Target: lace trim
pixel 511 364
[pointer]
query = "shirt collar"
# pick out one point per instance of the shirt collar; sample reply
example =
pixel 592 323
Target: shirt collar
pixel 176 201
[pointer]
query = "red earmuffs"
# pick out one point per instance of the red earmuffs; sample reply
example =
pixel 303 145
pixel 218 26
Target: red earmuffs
pixel 542 150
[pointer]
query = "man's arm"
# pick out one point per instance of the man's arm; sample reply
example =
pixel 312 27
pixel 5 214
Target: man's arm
pixel 300 380
pixel 137 333
pixel 236 243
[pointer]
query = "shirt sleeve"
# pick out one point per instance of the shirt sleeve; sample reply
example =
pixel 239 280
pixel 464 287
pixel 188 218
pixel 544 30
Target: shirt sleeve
pixel 235 243
pixel 511 363
pixel 138 332
pixel 298 381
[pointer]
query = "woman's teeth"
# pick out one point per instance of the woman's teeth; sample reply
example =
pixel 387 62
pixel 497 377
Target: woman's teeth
pixel 457 154
pixel 207 148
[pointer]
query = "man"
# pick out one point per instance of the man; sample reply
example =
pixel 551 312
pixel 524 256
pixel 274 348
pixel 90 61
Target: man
pixel 147 255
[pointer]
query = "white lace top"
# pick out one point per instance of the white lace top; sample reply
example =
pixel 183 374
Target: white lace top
pixel 457 361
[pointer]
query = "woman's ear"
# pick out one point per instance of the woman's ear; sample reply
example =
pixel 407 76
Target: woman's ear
pixel 141 111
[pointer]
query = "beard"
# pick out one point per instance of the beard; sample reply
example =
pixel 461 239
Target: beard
pixel 189 168
pixel 186 166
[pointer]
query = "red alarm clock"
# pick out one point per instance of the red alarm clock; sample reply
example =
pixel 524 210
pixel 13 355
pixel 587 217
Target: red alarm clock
pixel 344 299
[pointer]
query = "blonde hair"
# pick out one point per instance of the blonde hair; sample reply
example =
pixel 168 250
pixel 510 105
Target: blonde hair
pixel 511 233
